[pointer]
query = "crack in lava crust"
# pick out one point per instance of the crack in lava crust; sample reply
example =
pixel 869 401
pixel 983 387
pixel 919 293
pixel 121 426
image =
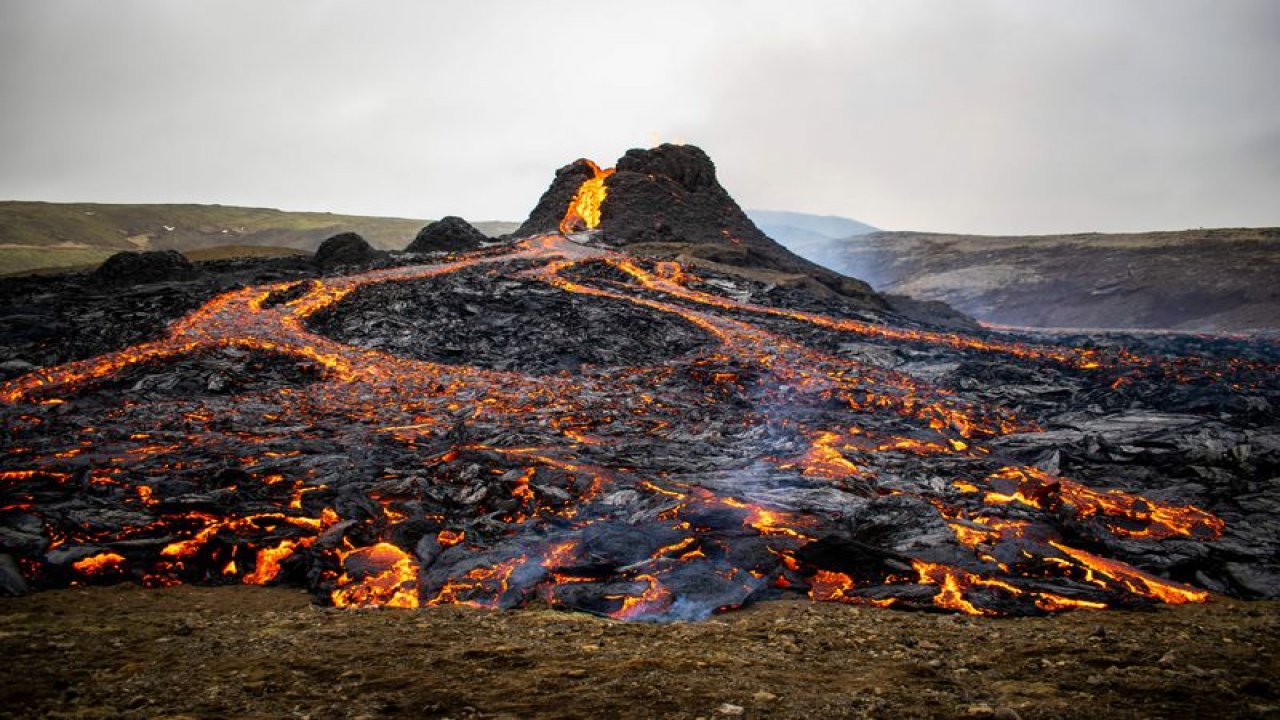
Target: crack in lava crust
pixel 600 492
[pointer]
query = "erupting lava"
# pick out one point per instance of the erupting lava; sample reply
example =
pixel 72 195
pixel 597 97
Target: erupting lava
pixel 582 521
pixel 584 209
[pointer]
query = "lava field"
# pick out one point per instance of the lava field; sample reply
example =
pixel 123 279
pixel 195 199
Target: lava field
pixel 553 419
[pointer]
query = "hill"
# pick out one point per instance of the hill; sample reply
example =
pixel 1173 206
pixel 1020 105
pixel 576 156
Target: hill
pixel 38 234
pixel 809 236
pixel 804 225
pixel 1195 280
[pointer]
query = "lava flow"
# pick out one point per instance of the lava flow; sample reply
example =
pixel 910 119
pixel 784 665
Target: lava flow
pixel 584 209
pixel 759 462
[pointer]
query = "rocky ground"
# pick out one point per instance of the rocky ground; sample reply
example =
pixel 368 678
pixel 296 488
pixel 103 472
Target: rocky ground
pixel 268 652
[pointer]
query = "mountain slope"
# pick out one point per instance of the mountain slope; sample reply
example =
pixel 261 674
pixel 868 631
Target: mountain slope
pixel 1198 280
pixel 809 236
pixel 806 225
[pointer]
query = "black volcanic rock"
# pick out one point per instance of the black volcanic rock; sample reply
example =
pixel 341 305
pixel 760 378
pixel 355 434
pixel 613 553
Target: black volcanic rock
pixel 670 194
pixel 549 211
pixel 346 248
pixel 11 581
pixel 470 318
pixel 129 268
pixel 450 234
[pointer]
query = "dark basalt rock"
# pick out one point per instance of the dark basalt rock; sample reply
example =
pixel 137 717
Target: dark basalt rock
pixel 471 318
pixel 449 234
pixel 549 211
pixel 346 248
pixel 132 268
pixel 11 580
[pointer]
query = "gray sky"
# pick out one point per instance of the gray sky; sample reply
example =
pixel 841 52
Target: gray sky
pixel 992 116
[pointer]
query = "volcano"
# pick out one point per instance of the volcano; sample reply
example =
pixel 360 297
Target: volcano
pixel 639 406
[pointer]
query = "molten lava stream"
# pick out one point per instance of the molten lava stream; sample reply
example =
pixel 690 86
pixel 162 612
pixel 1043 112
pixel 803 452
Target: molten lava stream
pixel 1079 358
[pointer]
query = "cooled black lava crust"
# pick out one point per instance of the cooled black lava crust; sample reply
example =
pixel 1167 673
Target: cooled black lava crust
pixel 484 319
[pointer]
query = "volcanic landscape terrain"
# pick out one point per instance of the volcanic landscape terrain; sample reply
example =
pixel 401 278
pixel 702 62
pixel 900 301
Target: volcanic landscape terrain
pixel 637 407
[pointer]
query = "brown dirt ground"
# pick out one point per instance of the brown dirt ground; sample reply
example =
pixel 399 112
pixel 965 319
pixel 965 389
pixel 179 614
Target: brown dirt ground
pixel 267 652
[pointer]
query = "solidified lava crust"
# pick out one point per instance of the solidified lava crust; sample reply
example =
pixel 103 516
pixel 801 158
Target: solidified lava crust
pixel 478 318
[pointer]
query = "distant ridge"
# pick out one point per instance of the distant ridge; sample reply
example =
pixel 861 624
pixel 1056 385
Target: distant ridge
pixel 1209 279
pixel 36 235
pixel 809 236
pixel 832 226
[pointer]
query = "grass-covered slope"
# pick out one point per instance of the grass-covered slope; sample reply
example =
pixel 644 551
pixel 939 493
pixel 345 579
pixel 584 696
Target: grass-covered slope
pixel 38 234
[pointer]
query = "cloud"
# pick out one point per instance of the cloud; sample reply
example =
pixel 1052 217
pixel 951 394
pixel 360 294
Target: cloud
pixel 990 116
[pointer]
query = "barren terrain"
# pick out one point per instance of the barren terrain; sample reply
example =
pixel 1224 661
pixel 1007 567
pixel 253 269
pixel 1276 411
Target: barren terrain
pixel 1195 280
pixel 267 652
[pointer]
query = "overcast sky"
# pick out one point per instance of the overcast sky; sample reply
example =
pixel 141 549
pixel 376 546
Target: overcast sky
pixel 995 116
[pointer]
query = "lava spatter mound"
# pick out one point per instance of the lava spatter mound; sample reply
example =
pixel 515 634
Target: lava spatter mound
pixel 474 318
pixel 346 248
pixel 448 234
pixel 131 268
pixel 784 450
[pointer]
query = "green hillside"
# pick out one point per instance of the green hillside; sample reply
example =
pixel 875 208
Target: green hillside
pixel 38 234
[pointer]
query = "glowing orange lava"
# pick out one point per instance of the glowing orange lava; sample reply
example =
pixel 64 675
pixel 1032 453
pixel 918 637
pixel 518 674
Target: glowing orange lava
pixel 584 209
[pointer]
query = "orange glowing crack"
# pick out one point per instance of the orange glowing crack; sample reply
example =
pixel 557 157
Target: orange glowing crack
pixel 1131 578
pixel 1036 488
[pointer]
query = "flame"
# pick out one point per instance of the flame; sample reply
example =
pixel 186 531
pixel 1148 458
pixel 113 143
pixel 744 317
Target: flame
pixel 449 538
pixel 825 460
pixel 479 587
pixel 653 600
